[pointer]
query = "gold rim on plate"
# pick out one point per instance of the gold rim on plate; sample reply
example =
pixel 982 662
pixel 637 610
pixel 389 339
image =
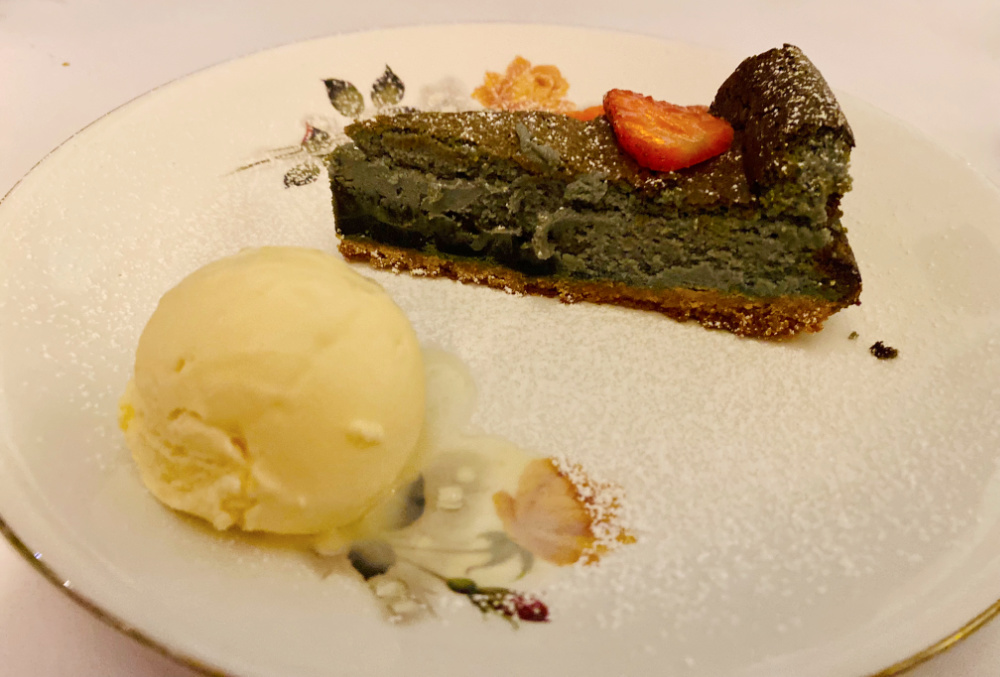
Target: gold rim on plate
pixel 898 668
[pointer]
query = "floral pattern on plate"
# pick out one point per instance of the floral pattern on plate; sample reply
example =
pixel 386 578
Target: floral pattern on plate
pixel 457 531
pixel 481 516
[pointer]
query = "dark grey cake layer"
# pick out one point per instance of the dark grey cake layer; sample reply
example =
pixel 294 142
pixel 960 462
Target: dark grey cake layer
pixel 541 225
pixel 545 194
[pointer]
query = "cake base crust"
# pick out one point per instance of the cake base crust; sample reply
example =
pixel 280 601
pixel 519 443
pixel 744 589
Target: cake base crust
pixel 770 318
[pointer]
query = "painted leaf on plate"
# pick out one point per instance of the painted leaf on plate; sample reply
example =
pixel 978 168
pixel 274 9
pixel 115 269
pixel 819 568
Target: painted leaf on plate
pixel 345 97
pixel 388 89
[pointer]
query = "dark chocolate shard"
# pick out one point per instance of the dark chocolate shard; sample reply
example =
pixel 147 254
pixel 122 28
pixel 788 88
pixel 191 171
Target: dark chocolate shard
pixel 777 99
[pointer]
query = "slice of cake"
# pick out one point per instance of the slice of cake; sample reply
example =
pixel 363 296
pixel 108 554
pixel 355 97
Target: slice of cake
pixel 749 241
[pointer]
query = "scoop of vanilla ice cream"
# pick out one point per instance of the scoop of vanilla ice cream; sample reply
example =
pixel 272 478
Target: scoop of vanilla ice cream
pixel 275 390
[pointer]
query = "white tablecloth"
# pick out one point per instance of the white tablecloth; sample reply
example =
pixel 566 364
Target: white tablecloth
pixel 63 63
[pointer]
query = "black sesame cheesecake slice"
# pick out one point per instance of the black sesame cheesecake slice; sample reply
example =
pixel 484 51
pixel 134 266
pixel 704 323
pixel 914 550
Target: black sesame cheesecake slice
pixel 749 241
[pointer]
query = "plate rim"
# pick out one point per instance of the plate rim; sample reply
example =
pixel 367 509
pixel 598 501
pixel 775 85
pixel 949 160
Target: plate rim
pixel 49 573
pixel 111 620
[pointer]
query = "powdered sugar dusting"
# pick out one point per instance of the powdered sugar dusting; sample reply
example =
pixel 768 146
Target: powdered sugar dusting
pixel 607 506
pixel 782 495
pixel 759 494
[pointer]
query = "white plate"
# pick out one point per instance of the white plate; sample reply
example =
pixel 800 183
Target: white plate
pixel 803 508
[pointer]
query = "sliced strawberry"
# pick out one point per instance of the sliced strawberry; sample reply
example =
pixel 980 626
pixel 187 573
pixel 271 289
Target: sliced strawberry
pixel 587 114
pixel 664 136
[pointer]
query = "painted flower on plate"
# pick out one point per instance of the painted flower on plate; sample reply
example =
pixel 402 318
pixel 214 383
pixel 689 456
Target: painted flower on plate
pixel 525 87
pixel 554 519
